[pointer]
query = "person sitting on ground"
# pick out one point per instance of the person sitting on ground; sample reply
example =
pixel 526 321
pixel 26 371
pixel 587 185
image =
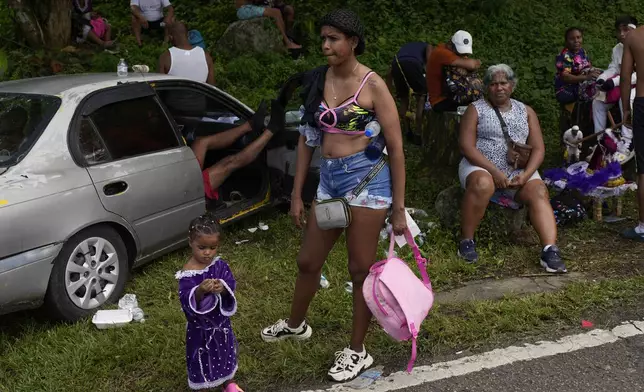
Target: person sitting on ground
pixel 485 167
pixel 148 14
pixel 407 72
pixel 89 25
pixel 216 174
pixel 574 69
pixel 249 9
pixel 444 57
pixel 185 60
pixel 609 81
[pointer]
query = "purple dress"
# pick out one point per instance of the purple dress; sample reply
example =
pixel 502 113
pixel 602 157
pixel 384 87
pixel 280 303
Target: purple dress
pixel 211 347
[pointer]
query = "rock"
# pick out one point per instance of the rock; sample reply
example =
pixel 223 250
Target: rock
pixel 440 138
pixel 504 222
pixel 259 35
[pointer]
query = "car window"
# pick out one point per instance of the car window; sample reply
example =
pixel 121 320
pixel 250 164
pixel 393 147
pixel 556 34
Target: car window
pixel 23 117
pixel 130 128
pixel 187 102
pixel 90 144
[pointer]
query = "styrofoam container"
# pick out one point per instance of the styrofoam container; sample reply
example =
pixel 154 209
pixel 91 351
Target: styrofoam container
pixel 104 319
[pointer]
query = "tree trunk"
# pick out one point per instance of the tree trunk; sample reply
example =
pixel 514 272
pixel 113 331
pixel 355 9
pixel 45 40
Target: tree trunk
pixel 44 23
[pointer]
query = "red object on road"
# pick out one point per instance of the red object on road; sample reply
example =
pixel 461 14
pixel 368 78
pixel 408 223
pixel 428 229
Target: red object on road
pixel 586 324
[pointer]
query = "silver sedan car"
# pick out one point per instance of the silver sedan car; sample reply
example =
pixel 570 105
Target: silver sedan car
pixel 97 177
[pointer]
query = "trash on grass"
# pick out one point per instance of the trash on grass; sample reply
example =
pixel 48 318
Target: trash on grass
pixel 263 226
pixel 367 378
pixel 241 242
pixel 324 283
pixel 252 229
pixel 112 318
pixel 348 287
pixel 586 324
pixel 128 302
pixel 417 213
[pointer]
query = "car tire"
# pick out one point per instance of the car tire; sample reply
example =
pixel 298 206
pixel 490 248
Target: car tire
pixel 77 270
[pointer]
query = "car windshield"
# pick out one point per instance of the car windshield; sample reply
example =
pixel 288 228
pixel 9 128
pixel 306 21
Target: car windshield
pixel 22 119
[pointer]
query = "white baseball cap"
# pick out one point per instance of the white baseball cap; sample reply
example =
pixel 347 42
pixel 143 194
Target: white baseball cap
pixel 462 41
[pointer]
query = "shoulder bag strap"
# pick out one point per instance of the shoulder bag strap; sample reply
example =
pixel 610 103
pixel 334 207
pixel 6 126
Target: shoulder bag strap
pixel 421 262
pixel 370 176
pixel 504 126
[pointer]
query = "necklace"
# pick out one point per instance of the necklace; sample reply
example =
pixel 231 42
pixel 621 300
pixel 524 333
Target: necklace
pixel 335 96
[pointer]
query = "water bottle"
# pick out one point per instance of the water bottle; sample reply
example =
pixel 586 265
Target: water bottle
pixel 372 129
pixel 374 149
pixel 121 68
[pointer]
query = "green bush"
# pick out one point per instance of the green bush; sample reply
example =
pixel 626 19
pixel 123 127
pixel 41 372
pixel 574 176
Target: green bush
pixel 524 34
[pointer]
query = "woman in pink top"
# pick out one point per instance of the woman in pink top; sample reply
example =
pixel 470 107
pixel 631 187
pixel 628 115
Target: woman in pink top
pixel 345 97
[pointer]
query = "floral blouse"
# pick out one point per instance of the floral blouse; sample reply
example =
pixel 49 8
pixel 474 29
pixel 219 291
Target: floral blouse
pixel 570 62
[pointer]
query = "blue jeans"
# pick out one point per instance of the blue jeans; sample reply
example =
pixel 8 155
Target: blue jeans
pixel 340 176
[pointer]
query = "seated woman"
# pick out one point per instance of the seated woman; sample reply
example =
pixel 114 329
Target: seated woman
pixel 89 25
pixel 485 168
pixel 276 9
pixel 575 74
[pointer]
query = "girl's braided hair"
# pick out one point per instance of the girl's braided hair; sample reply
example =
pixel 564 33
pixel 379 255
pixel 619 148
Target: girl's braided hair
pixel 347 22
pixel 205 224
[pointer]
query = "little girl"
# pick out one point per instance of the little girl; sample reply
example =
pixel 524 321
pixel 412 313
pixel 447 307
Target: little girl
pixel 206 292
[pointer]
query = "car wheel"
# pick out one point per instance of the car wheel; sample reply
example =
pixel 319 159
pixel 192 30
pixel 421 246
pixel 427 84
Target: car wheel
pixel 90 271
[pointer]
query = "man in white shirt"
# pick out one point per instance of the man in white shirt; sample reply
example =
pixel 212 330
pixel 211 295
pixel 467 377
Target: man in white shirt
pixel 149 14
pixel 610 79
pixel 185 60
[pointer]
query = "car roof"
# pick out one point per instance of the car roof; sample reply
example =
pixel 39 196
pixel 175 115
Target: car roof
pixel 56 85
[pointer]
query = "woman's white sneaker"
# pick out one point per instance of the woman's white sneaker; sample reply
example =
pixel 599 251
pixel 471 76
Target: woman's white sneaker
pixel 349 364
pixel 281 331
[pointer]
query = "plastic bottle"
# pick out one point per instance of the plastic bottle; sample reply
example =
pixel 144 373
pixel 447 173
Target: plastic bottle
pixel 121 68
pixel 374 149
pixel 372 129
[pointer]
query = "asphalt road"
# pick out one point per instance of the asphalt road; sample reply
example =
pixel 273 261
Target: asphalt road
pixel 613 367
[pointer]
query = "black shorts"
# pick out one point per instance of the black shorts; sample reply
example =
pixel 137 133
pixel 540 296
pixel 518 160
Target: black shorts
pixel 638 133
pixel 155 24
pixel 413 72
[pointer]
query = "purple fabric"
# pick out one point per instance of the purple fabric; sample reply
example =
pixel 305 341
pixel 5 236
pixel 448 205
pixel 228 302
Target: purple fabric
pixel 582 181
pixel 211 347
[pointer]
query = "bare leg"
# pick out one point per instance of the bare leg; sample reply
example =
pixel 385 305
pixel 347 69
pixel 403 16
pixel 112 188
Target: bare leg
pixel 479 188
pixel 362 244
pixel 216 142
pixel 420 108
pixel 221 170
pixel 136 29
pixel 534 195
pixel 279 21
pixel 313 253
pixel 289 12
pixel 166 29
pixel 108 33
pixel 94 38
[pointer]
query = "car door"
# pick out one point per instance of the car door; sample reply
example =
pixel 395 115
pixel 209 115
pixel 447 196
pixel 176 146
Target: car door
pixel 140 166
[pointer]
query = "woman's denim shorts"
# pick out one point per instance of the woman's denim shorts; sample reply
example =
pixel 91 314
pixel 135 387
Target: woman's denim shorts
pixel 340 176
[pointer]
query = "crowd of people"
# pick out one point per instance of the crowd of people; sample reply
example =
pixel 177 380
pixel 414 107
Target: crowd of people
pixel 500 140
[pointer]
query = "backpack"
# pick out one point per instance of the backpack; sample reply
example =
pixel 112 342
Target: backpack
pixel 461 86
pixel 397 298
pixel 196 39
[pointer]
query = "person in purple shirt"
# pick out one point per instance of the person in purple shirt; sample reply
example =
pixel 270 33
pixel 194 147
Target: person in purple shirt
pixel 407 72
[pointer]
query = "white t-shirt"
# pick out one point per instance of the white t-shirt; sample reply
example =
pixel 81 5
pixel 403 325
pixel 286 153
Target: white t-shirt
pixel 152 9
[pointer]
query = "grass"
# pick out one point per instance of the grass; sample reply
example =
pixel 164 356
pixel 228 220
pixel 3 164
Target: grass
pixel 36 354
